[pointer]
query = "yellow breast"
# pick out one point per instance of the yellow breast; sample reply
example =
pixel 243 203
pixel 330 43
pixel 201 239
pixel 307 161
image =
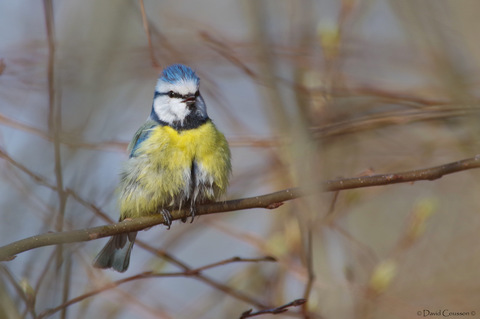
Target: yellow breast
pixel 172 167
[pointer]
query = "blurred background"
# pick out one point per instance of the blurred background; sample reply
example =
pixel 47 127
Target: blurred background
pixel 304 91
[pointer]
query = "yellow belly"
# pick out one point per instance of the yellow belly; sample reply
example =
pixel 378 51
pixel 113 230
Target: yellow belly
pixel 174 167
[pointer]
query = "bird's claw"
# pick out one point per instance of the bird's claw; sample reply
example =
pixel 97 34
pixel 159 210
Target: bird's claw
pixel 167 217
pixel 192 213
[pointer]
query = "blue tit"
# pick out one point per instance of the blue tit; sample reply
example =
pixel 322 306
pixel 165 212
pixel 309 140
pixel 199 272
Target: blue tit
pixel 178 158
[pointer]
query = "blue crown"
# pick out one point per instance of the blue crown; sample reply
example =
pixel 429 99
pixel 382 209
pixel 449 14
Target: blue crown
pixel 179 72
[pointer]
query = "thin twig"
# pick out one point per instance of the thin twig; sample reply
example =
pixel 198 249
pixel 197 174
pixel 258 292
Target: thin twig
pixel 221 48
pixel 385 119
pixel 232 260
pixel 2 66
pixel 269 201
pixel 67 277
pixel 55 123
pixel 281 309
pixel 24 294
pixel 311 273
pixel 147 32
pixel 149 274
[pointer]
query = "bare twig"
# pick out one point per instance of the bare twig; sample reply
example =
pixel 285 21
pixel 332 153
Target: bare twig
pixel 224 50
pixel 67 277
pixel 311 272
pixel 281 309
pixel 147 32
pixel 54 121
pixel 151 274
pixel 385 119
pixel 232 260
pixel 24 294
pixel 272 200
pixel 2 66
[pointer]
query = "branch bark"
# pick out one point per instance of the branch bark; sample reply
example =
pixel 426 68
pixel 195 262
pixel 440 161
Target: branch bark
pixel 268 201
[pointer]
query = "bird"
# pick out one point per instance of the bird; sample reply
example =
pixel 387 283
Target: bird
pixel 178 158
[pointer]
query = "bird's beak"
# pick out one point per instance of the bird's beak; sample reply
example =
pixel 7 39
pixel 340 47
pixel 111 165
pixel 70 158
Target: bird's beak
pixel 190 101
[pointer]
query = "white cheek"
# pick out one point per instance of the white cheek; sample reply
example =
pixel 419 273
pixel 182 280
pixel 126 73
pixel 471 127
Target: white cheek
pixel 170 110
pixel 179 110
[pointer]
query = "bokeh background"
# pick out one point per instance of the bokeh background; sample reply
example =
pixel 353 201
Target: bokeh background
pixel 304 91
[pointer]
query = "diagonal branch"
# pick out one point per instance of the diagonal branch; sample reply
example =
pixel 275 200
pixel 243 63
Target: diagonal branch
pixel 268 201
pixel 153 274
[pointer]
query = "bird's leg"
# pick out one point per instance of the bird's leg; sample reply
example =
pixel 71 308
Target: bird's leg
pixel 193 211
pixel 167 217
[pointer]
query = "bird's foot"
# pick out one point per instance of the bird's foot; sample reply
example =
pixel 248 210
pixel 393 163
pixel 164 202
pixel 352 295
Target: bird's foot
pixel 167 217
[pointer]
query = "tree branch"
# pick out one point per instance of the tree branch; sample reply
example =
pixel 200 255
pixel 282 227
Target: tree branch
pixel 268 201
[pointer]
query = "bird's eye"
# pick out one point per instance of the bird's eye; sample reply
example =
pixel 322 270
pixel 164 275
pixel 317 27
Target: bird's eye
pixel 171 94
pixel 197 93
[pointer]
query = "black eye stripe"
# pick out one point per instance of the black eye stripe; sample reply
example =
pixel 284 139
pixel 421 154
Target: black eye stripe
pixel 176 95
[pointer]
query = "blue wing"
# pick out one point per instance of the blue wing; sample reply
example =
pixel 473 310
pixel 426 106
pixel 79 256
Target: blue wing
pixel 141 135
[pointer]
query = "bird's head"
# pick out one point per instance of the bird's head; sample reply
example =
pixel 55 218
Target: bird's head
pixel 177 101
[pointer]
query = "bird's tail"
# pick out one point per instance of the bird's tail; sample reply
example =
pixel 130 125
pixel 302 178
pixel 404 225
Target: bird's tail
pixel 116 253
